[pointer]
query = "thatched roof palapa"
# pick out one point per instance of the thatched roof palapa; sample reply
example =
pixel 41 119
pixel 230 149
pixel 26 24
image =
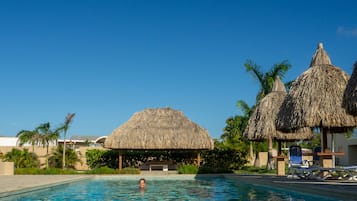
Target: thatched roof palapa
pixel 159 129
pixel 350 95
pixel 315 98
pixel 261 123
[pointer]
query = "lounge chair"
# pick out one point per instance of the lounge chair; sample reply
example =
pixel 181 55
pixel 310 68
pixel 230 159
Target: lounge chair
pixel 351 172
pixel 316 158
pixel 348 173
pixel 298 167
pixel 304 169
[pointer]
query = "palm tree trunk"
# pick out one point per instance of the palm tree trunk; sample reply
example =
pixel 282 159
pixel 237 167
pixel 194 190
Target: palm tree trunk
pixel 46 156
pixel 64 152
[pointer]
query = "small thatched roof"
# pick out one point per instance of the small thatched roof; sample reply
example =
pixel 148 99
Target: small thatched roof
pixel 315 98
pixel 261 123
pixel 350 95
pixel 162 128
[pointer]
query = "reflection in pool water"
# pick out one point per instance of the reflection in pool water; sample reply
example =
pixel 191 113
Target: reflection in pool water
pixel 172 188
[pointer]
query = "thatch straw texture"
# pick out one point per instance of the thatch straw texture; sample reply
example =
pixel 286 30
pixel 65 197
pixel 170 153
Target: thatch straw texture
pixel 162 128
pixel 261 123
pixel 320 57
pixel 315 98
pixel 350 95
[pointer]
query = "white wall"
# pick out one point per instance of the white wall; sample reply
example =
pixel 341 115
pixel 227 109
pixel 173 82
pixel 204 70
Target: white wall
pixel 12 142
pixel 8 141
pixel 347 146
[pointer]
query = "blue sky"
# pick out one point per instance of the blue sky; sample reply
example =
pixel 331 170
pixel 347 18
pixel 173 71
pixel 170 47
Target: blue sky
pixel 105 60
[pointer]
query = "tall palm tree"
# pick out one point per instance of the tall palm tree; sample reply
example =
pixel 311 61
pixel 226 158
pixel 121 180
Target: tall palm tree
pixel 68 120
pixel 266 81
pixel 47 136
pixel 27 136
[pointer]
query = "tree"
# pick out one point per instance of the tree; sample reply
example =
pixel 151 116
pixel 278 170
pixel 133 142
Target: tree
pixel 26 136
pixel 22 158
pixel 236 125
pixel 56 159
pixel 226 156
pixel 68 120
pixel 47 136
pixel 266 81
pixel 232 141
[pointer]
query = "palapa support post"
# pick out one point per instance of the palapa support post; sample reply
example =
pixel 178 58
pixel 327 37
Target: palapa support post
pixel 198 159
pixel 324 140
pixel 279 147
pixel 120 160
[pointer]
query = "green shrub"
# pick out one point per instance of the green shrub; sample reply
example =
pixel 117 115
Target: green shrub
pixel 225 158
pixel 55 161
pixel 22 158
pixel 50 171
pixel 187 169
pixel 97 158
pixel 107 170
pixel 129 170
pixel 102 170
pixel 59 171
pixel 28 171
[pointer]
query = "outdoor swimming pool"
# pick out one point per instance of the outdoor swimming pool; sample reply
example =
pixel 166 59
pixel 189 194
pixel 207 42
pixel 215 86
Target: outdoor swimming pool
pixel 158 188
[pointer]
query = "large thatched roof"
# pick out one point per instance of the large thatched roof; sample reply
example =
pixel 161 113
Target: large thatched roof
pixel 350 95
pixel 261 123
pixel 162 128
pixel 315 98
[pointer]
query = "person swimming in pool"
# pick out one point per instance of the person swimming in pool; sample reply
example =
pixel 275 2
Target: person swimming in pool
pixel 142 184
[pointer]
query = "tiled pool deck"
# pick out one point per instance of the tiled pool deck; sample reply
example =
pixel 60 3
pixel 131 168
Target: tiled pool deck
pixel 10 185
pixel 14 184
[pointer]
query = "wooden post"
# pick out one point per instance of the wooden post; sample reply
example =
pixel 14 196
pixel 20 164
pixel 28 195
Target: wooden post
pixel 324 140
pixel 270 164
pixel 198 159
pixel 120 160
pixel 279 148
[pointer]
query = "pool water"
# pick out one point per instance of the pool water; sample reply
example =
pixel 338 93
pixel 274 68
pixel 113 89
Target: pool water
pixel 202 188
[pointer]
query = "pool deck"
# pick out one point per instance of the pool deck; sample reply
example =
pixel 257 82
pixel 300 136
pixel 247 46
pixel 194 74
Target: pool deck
pixel 16 184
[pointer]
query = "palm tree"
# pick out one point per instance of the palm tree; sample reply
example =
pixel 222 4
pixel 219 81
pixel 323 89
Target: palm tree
pixel 266 81
pixel 26 136
pixel 56 159
pixel 65 127
pixel 22 158
pixel 236 125
pixel 47 136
